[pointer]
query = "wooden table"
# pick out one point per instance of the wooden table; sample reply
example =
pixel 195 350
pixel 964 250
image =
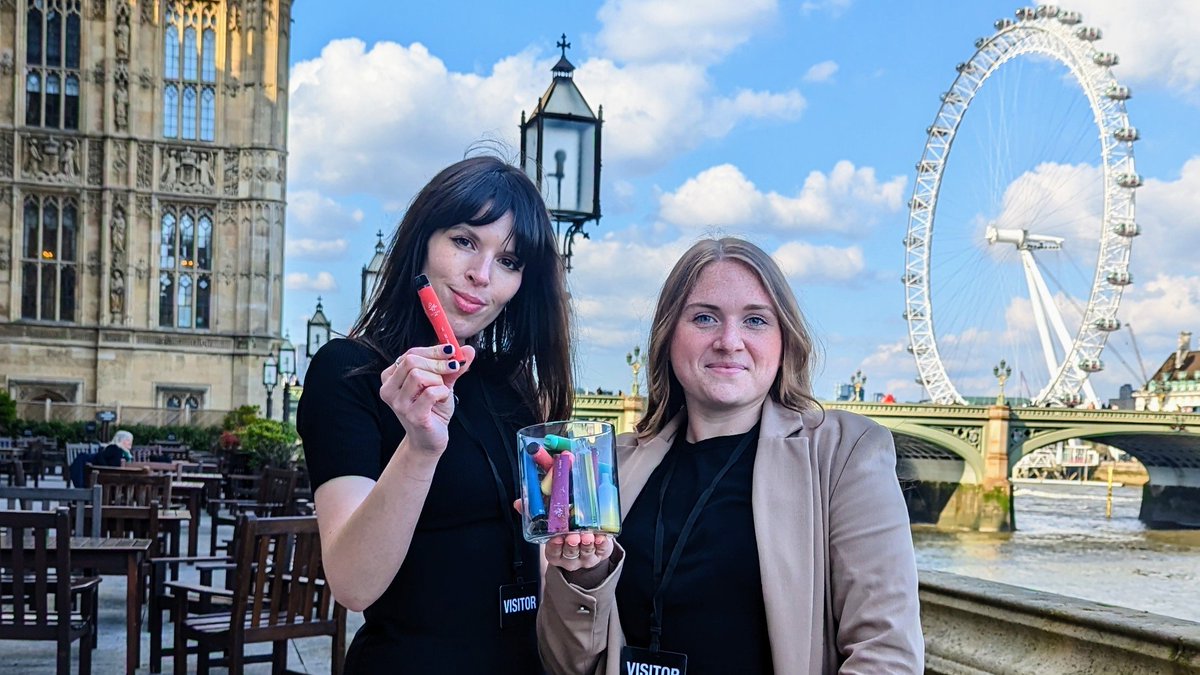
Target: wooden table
pixel 113 557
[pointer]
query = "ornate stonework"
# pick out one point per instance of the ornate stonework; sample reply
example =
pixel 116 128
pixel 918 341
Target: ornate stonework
pixel 230 178
pixel 145 166
pixel 6 154
pixel 99 9
pixel 95 150
pixel 50 159
pixel 188 169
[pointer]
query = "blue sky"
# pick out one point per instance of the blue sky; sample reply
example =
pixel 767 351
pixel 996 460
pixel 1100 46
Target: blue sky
pixel 795 124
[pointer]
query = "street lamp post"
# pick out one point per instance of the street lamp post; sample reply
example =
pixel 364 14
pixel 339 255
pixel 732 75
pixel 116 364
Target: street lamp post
pixel 1002 371
pixel 636 360
pixel 858 381
pixel 563 127
pixel 270 379
pixel 280 364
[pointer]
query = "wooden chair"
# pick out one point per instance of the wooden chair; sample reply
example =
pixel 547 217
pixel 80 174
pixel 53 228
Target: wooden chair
pixel 130 487
pixel 279 593
pixel 276 496
pixel 74 450
pixel 37 593
pixel 82 501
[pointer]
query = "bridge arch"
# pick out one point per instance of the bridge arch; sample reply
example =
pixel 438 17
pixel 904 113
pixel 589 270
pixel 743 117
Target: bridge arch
pixel 944 440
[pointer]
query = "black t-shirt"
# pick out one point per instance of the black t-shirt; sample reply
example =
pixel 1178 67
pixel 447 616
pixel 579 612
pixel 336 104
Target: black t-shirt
pixel 713 607
pixel 441 612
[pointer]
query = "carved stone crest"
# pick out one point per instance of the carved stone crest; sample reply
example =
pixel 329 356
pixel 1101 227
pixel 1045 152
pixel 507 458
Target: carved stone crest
pixel 147 11
pixel 98 73
pixel 188 169
pixel 99 9
pixel 144 206
pixel 146 79
pixel 51 159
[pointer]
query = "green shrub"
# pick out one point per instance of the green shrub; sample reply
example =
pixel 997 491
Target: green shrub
pixel 8 414
pixel 271 443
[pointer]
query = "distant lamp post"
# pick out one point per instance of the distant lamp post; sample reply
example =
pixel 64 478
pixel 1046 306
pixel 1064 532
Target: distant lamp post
pixel 858 381
pixel 636 360
pixel 370 271
pixel 280 364
pixel 1002 371
pixel 287 370
pixel 319 329
pixel 560 152
pixel 270 379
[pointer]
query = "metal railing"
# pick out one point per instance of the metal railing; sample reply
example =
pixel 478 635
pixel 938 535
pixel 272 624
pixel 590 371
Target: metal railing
pixel 50 411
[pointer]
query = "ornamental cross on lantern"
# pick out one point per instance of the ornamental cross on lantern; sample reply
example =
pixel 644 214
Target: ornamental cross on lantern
pixel 563 127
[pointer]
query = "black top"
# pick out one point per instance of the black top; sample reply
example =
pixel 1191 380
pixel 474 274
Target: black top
pixel 441 612
pixel 713 607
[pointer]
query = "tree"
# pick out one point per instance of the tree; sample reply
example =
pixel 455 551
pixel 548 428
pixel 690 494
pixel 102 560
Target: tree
pixel 8 413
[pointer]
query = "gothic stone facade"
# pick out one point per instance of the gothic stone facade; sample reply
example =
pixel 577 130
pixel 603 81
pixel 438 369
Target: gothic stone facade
pixel 142 187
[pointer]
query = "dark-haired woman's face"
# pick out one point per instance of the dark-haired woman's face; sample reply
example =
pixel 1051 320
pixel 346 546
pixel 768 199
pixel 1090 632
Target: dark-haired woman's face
pixel 475 271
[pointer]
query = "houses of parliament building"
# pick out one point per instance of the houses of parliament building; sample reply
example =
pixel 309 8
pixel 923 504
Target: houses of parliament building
pixel 142 190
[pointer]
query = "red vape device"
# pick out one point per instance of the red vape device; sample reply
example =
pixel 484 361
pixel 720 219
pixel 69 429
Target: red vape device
pixel 437 315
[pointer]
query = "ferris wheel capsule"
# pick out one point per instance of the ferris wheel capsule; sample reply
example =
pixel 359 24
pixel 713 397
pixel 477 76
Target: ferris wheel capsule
pixel 1108 324
pixel 1127 134
pixel 1027 13
pixel 1129 180
pixel 1126 229
pixel 1106 59
pixel 1001 24
pixel 1048 11
pixel 1118 92
pixel 1070 18
pixel 1091 365
pixel 1119 278
pixel 1089 33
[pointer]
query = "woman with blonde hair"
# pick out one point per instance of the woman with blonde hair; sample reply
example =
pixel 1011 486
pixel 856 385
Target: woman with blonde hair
pixel 761 534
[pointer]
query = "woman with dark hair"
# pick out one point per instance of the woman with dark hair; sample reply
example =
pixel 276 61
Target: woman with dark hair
pixel 411 446
pixel 760 533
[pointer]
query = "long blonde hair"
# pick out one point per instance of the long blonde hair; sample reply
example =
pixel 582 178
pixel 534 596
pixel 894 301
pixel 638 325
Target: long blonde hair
pixel 792 387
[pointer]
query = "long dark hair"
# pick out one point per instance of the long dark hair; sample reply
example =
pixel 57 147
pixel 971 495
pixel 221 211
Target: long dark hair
pixel 532 333
pixel 792 387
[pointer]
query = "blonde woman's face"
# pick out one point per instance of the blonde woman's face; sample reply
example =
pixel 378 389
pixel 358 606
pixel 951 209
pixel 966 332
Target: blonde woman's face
pixel 728 343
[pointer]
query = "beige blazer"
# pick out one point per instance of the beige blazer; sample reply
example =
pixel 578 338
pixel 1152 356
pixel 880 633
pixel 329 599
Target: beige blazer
pixel 835 553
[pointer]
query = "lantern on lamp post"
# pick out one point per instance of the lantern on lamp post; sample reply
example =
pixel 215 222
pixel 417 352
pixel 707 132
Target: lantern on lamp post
pixel 270 379
pixel 560 152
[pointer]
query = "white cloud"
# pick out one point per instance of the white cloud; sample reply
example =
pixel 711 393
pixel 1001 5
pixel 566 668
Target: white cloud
pixel 848 199
pixel 300 281
pixel 803 262
pixel 821 72
pixel 360 119
pixel 699 31
pixel 310 212
pixel 1159 43
pixel 315 249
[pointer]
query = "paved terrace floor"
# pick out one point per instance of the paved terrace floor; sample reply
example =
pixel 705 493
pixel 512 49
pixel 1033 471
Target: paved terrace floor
pixel 310 655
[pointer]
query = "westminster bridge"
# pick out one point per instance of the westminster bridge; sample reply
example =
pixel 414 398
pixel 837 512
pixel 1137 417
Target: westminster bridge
pixel 955 461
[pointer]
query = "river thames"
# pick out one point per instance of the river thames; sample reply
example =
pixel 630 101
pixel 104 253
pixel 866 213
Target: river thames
pixel 1064 544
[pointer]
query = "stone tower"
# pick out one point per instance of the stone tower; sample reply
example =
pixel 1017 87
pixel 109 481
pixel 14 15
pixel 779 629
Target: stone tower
pixel 142 189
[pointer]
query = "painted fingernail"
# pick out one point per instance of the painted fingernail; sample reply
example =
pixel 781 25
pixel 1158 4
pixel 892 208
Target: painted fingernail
pixel 454 365
pixel 447 349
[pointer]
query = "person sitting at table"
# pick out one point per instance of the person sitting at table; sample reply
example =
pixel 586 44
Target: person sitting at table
pixel 116 453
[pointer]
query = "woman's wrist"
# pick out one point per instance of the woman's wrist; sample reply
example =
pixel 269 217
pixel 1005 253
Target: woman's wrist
pixel 415 464
pixel 591 577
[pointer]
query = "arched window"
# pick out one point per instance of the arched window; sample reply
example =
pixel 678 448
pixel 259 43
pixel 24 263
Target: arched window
pixel 190 71
pixel 53 41
pixel 49 258
pixel 185 284
pixel 174 402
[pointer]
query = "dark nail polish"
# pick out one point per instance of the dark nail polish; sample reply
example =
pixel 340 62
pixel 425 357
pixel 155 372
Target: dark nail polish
pixel 447 349
pixel 454 365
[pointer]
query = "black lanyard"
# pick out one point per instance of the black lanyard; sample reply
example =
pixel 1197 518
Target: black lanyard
pixel 510 451
pixel 662 578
